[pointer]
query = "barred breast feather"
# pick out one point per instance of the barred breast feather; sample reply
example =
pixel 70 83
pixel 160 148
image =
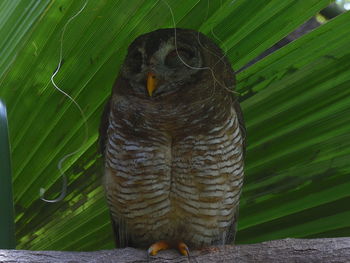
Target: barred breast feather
pixel 169 179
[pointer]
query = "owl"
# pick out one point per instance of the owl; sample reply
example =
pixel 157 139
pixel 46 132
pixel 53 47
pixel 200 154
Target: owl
pixel 173 140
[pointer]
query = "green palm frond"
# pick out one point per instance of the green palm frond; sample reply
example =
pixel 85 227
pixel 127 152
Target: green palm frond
pixel 295 101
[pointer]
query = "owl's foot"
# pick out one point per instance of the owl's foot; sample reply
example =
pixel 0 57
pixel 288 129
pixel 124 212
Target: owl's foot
pixel 156 247
pixel 162 245
pixel 183 249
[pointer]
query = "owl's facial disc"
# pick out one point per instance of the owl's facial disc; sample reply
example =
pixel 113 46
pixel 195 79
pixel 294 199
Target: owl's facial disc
pixel 160 67
pixel 171 67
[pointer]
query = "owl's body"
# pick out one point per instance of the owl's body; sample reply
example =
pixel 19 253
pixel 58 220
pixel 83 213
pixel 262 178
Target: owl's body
pixel 174 160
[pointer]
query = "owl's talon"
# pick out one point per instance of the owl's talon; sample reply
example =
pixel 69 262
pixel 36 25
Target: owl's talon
pixel 156 247
pixel 183 249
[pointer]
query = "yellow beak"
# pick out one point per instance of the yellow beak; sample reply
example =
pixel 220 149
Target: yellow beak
pixel 151 83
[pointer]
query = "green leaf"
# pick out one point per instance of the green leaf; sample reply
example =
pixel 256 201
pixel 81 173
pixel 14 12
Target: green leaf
pixel 295 103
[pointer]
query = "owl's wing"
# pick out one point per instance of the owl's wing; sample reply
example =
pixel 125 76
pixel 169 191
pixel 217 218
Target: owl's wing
pixel 239 113
pixel 104 127
pixel 231 234
pixel 121 238
pixel 105 116
pixel 231 82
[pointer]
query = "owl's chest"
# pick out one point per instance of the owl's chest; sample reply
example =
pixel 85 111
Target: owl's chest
pixel 147 158
pixel 143 119
pixel 183 186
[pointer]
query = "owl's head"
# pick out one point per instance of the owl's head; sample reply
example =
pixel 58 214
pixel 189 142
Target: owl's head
pixel 163 62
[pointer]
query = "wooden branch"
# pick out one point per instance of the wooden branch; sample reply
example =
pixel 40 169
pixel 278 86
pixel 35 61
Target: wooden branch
pixel 287 250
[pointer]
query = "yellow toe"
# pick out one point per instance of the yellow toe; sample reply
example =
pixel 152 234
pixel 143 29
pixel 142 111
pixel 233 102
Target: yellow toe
pixel 183 249
pixel 156 247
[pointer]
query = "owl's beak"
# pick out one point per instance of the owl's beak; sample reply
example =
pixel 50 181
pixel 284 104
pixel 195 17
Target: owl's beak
pixel 151 83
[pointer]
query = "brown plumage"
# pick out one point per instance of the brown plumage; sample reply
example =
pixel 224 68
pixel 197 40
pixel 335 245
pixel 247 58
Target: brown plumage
pixel 173 159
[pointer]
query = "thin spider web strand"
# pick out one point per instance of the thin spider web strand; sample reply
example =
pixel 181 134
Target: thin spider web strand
pixel 60 163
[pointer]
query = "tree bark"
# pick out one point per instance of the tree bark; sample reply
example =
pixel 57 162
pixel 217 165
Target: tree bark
pixel 286 250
